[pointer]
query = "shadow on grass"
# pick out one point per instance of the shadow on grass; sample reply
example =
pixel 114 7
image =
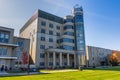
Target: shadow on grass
pixel 41 73
pixel 105 68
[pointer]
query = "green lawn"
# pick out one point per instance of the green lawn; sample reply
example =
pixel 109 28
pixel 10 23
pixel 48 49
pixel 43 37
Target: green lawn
pixel 89 74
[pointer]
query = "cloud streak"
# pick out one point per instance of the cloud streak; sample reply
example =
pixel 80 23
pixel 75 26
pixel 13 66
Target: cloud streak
pixel 58 3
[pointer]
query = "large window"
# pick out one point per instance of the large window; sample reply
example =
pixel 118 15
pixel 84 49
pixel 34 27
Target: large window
pixel 68 20
pixel 42 55
pixel 58 34
pixel 50 39
pixel 79 18
pixel 68 27
pixel 51 32
pixel 58 27
pixel 3 51
pixel 42 64
pixel 67 40
pixel 43 23
pixel 42 46
pixel 66 47
pixel 20 43
pixel 42 30
pixel 69 33
pixel 4 37
pixel 50 63
pixel 51 25
pixel 50 46
pixel 42 38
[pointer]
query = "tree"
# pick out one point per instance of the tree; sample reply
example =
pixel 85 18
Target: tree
pixel 25 58
pixel 114 58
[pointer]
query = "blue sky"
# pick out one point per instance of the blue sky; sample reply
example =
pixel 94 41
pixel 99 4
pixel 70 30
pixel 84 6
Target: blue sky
pixel 101 17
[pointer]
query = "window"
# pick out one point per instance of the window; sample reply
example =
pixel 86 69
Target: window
pixel 3 51
pixel 66 47
pixel 67 40
pixel 42 63
pixel 50 39
pixel 65 63
pixel 51 32
pixel 81 48
pixel 42 46
pixel 57 63
pixel 50 63
pixel 79 18
pixel 68 27
pixel 51 25
pixel 4 37
pixel 68 20
pixel 42 55
pixel 42 30
pixel 81 41
pixel 0 51
pixel 58 34
pixel 69 33
pixel 21 44
pixel 42 38
pixel 43 23
pixel 58 27
pixel 50 46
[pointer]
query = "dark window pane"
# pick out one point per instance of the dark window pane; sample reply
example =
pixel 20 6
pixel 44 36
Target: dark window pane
pixel 58 27
pixel 51 25
pixel 42 46
pixel 42 30
pixel 51 32
pixel 58 34
pixel 42 38
pixel 43 23
pixel 50 39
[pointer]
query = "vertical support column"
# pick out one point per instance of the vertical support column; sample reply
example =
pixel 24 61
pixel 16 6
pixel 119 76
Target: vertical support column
pixel 45 60
pixel 60 59
pixel 48 59
pixel 74 60
pixel 68 60
pixel 54 60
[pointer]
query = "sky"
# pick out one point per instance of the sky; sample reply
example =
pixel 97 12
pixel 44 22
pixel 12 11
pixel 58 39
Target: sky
pixel 101 17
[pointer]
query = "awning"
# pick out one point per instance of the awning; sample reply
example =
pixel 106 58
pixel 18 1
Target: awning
pixel 6 44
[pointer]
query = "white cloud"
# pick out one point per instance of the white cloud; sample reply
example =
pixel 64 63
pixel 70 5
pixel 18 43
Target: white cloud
pixel 59 3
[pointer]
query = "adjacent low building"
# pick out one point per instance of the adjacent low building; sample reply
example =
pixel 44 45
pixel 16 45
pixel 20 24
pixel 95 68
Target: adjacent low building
pixel 7 48
pixel 97 56
pixel 11 48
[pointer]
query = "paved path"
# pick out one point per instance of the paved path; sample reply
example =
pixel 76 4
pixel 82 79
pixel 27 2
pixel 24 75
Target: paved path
pixel 3 73
pixel 17 74
pixel 58 71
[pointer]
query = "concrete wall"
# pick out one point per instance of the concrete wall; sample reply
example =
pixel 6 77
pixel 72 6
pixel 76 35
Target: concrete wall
pixel 94 54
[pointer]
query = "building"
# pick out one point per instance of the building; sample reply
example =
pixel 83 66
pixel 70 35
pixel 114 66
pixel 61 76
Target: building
pixel 7 48
pixel 11 48
pixel 54 41
pixel 21 50
pixel 97 56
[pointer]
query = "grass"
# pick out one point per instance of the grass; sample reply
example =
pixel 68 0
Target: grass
pixel 88 74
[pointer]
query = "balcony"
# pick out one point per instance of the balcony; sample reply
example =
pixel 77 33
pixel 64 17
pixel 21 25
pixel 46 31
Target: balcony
pixel 59 51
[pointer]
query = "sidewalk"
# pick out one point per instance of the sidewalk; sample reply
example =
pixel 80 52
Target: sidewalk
pixel 17 74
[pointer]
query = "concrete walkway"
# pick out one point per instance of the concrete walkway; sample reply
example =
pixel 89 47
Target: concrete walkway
pixel 55 71
pixel 18 74
pixel 3 73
